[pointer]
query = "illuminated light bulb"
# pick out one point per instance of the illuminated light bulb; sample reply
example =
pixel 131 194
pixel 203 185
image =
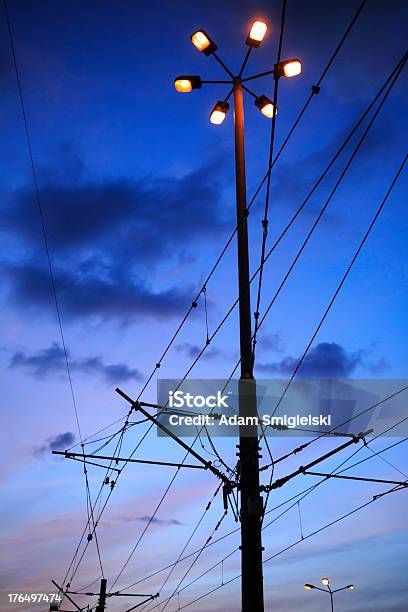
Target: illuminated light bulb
pixel 266 106
pixel 203 42
pixel 292 68
pixel 185 84
pixel 219 112
pixel 256 33
pixel 288 68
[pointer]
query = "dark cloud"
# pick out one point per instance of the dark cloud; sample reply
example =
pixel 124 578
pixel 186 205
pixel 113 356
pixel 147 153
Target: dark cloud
pixel 157 521
pixel 108 294
pixel 106 238
pixel 143 219
pixel 51 361
pixel 325 360
pixel 61 441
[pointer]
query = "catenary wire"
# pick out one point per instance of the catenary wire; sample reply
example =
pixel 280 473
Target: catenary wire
pixel 401 63
pixel 265 220
pixel 315 90
pixel 345 275
pixel 290 133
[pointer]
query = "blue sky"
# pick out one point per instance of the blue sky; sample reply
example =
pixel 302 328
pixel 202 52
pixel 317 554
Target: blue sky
pixel 137 189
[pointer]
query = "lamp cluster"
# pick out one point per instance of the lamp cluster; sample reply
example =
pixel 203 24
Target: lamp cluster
pixel 326 583
pixel 204 43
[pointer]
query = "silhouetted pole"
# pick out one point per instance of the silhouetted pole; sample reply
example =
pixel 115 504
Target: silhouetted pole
pixel 251 500
pixel 102 597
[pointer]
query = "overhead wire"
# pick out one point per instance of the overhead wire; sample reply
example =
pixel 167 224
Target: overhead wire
pixel 41 214
pixel 302 494
pixel 284 144
pixel 265 220
pixel 315 91
pixel 394 72
pixel 350 266
pixel 295 543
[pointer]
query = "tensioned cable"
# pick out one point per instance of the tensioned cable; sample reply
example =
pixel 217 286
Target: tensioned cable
pixel 301 494
pixel 265 220
pixel 315 89
pixel 349 268
pixel 326 526
pixel 146 527
pixel 394 74
pixel 344 276
pixel 40 210
pixel 98 499
pixel 200 520
pixel 194 561
pixel 47 249
pixel 302 539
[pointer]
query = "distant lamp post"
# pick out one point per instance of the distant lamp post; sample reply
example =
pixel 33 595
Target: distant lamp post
pixel 328 589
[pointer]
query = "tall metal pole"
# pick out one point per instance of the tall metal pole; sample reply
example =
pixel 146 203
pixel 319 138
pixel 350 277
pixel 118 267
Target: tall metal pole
pixel 251 500
pixel 331 601
pixel 102 597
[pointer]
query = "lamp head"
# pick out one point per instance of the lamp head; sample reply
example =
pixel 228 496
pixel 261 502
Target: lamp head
pixel 256 33
pixel 266 106
pixel 308 587
pixel 219 112
pixel 288 68
pixel 203 42
pixel 187 83
pixel 325 582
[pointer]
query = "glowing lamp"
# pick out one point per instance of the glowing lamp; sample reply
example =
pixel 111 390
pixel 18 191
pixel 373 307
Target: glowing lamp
pixel 325 582
pixel 203 42
pixel 350 586
pixel 288 68
pixel 184 84
pixel 256 33
pixel 309 587
pixel 219 112
pixel 266 106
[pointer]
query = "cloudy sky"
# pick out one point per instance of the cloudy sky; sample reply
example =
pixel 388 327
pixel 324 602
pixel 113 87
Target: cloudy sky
pixel 137 194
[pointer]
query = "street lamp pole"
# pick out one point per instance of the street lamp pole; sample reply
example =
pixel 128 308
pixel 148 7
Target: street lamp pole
pixel 251 511
pixel 328 590
pixel 251 500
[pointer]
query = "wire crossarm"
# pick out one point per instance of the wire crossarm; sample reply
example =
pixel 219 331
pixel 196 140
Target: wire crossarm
pixel 207 464
pixel 69 455
pixel 302 469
